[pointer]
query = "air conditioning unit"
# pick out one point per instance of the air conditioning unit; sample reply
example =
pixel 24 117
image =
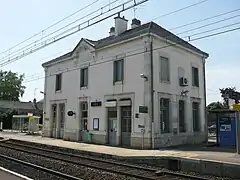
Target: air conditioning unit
pixel 183 81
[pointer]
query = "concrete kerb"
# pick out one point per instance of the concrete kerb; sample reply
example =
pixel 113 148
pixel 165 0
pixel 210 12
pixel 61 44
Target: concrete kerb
pixel 201 166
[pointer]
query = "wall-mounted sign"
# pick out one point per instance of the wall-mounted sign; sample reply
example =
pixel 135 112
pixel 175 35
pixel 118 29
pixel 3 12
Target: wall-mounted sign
pixel 95 124
pixel 70 113
pixel 141 126
pixel 143 109
pixel 111 104
pixel 96 104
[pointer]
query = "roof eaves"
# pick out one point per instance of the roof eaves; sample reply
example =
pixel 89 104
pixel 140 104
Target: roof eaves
pixel 64 56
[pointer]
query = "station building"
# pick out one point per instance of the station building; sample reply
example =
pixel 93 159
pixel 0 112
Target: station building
pixel 141 86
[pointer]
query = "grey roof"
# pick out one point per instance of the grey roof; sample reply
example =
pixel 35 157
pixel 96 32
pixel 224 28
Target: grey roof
pixel 150 27
pixel 16 105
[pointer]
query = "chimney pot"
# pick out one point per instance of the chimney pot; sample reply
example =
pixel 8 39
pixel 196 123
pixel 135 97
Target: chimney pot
pixel 112 31
pixel 136 23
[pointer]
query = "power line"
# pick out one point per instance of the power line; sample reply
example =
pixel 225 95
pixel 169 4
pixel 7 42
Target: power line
pixel 200 33
pixel 209 24
pixel 210 30
pixel 110 58
pixel 181 9
pixel 40 32
pixel 123 7
pixel 205 19
pixel 31 45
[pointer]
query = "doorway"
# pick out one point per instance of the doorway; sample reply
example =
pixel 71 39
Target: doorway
pixel 126 125
pixel 112 126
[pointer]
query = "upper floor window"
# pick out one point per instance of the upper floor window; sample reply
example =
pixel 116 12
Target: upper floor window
pixel 58 85
pixel 195 77
pixel 164 70
pixel 118 71
pixel 84 77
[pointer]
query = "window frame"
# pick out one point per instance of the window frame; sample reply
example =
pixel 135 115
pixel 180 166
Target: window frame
pixel 196 113
pixel 182 122
pixel 116 69
pixel 83 118
pixel 164 109
pixel 62 114
pixel 82 77
pixel 195 80
pixel 58 82
pixel 161 75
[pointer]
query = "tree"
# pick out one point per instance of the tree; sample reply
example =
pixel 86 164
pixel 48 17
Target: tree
pixel 215 105
pixel 225 94
pixel 11 86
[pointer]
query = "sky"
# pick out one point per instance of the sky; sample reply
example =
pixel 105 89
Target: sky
pixel 22 19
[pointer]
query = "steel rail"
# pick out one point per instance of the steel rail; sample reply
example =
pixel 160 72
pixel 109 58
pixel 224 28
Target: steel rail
pixel 123 169
pixel 50 171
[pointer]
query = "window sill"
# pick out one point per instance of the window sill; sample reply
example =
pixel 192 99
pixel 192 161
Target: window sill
pixel 83 88
pixel 165 82
pixel 195 86
pixel 118 83
pixel 58 91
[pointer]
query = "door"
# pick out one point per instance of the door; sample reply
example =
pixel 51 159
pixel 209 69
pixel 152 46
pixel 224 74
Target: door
pixel 126 125
pixel 84 121
pixel 61 120
pixel 112 125
pixel 112 131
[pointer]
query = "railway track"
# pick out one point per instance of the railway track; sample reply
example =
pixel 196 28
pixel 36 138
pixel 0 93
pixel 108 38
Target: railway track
pixel 43 169
pixel 133 171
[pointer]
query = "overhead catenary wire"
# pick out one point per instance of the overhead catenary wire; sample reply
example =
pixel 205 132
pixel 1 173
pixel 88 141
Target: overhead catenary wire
pixel 205 19
pixel 71 31
pixel 209 24
pixel 9 59
pixel 42 39
pixel 218 28
pixel 181 9
pixel 154 49
pixel 203 32
pixel 40 32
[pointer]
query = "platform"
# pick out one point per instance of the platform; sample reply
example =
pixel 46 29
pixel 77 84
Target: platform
pixel 203 160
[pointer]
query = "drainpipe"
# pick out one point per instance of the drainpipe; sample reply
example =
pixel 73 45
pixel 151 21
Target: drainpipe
pixel 205 98
pixel 152 93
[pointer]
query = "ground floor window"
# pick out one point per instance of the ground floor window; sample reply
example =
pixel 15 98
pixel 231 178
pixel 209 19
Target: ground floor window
pixel 196 116
pixel 62 114
pixel 181 109
pixel 84 115
pixel 164 115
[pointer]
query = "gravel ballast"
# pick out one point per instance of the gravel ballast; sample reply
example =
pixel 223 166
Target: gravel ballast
pixel 68 168
pixel 102 156
pixel 27 171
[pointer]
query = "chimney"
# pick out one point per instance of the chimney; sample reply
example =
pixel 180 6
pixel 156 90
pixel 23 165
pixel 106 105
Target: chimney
pixel 112 31
pixel 120 24
pixel 136 23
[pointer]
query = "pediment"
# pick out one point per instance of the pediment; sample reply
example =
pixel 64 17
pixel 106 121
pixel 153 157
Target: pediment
pixel 83 46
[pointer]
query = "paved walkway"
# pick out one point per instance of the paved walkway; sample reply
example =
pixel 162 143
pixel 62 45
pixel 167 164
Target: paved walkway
pixel 201 154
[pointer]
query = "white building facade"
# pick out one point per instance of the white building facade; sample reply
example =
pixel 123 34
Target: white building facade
pixel 139 87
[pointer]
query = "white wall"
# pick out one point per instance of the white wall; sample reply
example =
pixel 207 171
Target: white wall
pixel 178 57
pixel 100 82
